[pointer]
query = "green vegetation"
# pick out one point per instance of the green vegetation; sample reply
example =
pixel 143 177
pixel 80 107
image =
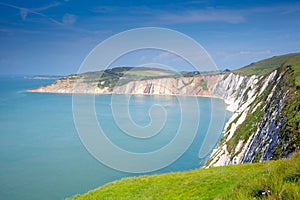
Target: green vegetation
pixel 265 66
pixel 244 131
pixel 203 84
pixel 295 63
pixel 278 180
pixel 122 75
pixel 269 180
pixel 290 131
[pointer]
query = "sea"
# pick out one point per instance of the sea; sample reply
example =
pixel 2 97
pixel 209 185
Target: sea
pixel 42 155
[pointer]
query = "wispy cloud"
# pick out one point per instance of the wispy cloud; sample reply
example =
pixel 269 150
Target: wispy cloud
pixel 174 16
pixel 46 7
pixel 165 56
pixel 25 11
pixel 121 11
pixel 186 15
pixel 226 15
pixel 265 52
pixel 282 9
pixel 247 53
pixel 203 15
pixel 67 19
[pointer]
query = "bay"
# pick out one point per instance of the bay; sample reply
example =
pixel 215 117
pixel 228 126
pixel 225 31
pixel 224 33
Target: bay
pixel 42 157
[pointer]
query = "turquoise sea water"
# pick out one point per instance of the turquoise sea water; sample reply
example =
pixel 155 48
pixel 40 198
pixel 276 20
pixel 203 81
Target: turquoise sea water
pixel 42 157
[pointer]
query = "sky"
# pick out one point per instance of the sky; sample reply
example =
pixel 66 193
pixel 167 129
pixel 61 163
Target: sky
pixel 54 37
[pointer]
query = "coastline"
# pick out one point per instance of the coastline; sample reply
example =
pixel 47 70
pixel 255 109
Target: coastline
pixel 142 94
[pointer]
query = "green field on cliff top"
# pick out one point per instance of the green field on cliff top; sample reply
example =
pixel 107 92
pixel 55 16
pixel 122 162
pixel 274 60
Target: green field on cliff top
pixel 266 66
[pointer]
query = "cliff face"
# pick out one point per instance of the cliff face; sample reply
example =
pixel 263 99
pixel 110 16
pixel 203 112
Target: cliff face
pixel 265 123
pixel 198 85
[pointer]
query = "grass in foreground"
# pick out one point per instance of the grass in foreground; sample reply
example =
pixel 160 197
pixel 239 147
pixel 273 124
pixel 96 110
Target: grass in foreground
pixel 269 180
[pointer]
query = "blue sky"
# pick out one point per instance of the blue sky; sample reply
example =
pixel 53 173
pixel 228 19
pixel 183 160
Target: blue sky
pixel 54 37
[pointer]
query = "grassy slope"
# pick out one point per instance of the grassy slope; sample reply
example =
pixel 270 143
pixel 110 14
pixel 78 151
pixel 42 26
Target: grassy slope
pixel 139 72
pixel 295 63
pixel 280 178
pixel 265 66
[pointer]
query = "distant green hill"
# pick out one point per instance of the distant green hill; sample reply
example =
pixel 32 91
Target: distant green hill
pixel 265 66
pixel 270 180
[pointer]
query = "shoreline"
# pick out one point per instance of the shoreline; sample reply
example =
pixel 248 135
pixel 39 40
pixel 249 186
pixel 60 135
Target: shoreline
pixel 99 94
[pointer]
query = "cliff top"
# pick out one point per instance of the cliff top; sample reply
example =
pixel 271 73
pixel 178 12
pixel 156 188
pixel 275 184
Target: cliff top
pixel 267 65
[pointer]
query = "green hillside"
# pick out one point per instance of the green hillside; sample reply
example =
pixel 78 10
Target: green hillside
pixel 122 75
pixel 295 63
pixel 125 72
pixel 265 66
pixel 270 180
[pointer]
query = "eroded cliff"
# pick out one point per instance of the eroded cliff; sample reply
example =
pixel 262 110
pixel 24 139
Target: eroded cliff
pixel 265 124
